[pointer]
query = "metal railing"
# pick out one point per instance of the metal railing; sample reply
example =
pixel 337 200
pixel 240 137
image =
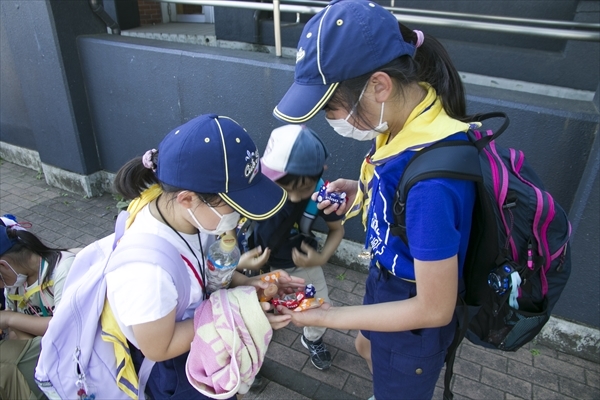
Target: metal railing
pixel 563 30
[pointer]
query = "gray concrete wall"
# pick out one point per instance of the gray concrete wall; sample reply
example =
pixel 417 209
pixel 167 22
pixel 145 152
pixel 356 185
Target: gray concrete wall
pixel 43 77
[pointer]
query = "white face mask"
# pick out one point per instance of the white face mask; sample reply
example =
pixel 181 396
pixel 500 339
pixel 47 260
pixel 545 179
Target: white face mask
pixel 21 279
pixel 227 222
pixel 346 129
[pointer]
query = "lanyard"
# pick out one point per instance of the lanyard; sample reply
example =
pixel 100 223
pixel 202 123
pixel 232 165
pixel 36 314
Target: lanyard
pixel 189 264
pixel 201 267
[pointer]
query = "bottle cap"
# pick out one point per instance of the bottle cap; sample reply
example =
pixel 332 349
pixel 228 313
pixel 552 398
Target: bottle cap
pixel 228 242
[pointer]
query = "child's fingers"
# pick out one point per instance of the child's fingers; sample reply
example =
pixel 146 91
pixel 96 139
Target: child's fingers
pixel 254 259
pixel 286 280
pixel 338 185
pixel 255 252
pixel 306 248
pixel 328 207
pixel 278 321
pixel 260 259
pixel 297 257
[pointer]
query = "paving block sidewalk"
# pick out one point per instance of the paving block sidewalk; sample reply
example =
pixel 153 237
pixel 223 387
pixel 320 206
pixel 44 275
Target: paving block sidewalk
pixel 63 219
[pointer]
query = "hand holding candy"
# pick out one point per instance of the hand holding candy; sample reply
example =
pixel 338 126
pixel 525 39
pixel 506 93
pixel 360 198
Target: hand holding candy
pixel 268 293
pixel 333 197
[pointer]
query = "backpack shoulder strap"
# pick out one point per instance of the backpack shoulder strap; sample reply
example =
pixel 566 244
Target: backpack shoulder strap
pixel 456 159
pixel 147 247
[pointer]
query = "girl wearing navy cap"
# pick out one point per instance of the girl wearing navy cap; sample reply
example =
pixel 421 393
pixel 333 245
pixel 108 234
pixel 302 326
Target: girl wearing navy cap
pixel 32 276
pixel 378 80
pixel 204 175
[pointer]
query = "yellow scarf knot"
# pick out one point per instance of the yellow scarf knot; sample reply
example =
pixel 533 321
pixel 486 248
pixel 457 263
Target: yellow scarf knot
pixel 428 123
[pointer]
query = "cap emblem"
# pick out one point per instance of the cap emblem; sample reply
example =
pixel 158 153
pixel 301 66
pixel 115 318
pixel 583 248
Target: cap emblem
pixel 252 161
pixel 300 55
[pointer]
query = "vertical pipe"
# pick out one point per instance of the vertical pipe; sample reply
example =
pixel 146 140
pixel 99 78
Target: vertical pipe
pixel 277 27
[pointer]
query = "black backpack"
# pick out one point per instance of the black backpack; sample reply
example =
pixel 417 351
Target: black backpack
pixel 518 233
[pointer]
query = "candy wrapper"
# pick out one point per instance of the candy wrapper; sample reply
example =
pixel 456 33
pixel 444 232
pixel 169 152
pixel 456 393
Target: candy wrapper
pixel 333 197
pixel 271 290
pixel 309 303
pixel 299 301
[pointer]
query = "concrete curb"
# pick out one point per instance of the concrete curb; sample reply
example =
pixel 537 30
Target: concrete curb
pixel 85 185
pixel 571 338
pixel 560 334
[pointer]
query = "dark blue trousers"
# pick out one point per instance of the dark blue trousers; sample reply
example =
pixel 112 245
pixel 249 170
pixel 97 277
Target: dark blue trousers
pixel 406 365
pixel 168 379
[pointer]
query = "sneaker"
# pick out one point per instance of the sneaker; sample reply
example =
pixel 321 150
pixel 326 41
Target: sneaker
pixel 320 357
pixel 258 381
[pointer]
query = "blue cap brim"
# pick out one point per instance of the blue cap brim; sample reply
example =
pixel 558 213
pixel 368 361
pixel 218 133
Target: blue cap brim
pixel 258 202
pixel 302 102
pixel 6 243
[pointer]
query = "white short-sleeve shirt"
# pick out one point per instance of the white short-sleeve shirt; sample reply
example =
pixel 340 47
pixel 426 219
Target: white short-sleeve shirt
pixel 143 292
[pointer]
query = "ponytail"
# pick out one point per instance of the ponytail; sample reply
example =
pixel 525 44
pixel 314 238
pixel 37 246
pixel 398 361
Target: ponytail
pixel 435 67
pixel 134 177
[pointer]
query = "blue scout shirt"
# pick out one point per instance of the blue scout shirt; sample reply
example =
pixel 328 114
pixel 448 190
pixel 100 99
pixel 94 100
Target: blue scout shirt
pixel 438 218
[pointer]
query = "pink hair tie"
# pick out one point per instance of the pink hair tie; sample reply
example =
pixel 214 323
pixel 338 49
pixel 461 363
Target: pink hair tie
pixel 420 38
pixel 147 159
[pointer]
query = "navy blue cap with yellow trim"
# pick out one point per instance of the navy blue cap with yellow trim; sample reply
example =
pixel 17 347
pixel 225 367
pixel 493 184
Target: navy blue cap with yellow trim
pixel 214 154
pixel 346 39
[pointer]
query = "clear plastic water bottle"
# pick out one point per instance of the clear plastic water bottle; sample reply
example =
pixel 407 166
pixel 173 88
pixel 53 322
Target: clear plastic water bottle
pixel 222 259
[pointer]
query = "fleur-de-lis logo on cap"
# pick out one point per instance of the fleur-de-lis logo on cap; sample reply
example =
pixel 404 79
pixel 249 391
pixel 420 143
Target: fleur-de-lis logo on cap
pixel 251 170
pixel 300 55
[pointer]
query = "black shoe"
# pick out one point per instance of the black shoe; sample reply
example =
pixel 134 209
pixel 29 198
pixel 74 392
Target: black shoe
pixel 320 357
pixel 258 381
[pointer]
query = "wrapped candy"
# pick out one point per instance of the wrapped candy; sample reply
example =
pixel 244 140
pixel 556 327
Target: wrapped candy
pixel 309 303
pixel 270 277
pixel 299 301
pixel 268 293
pixel 310 291
pixel 271 290
pixel 290 301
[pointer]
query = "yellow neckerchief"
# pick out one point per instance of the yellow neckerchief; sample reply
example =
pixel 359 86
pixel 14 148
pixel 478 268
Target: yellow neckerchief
pixel 138 203
pixel 21 300
pixel 427 123
pixel 126 377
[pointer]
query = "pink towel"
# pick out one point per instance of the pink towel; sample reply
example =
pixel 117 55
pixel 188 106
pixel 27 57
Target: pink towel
pixel 232 334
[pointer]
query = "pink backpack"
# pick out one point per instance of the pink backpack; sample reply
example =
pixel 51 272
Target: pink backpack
pixel 75 362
